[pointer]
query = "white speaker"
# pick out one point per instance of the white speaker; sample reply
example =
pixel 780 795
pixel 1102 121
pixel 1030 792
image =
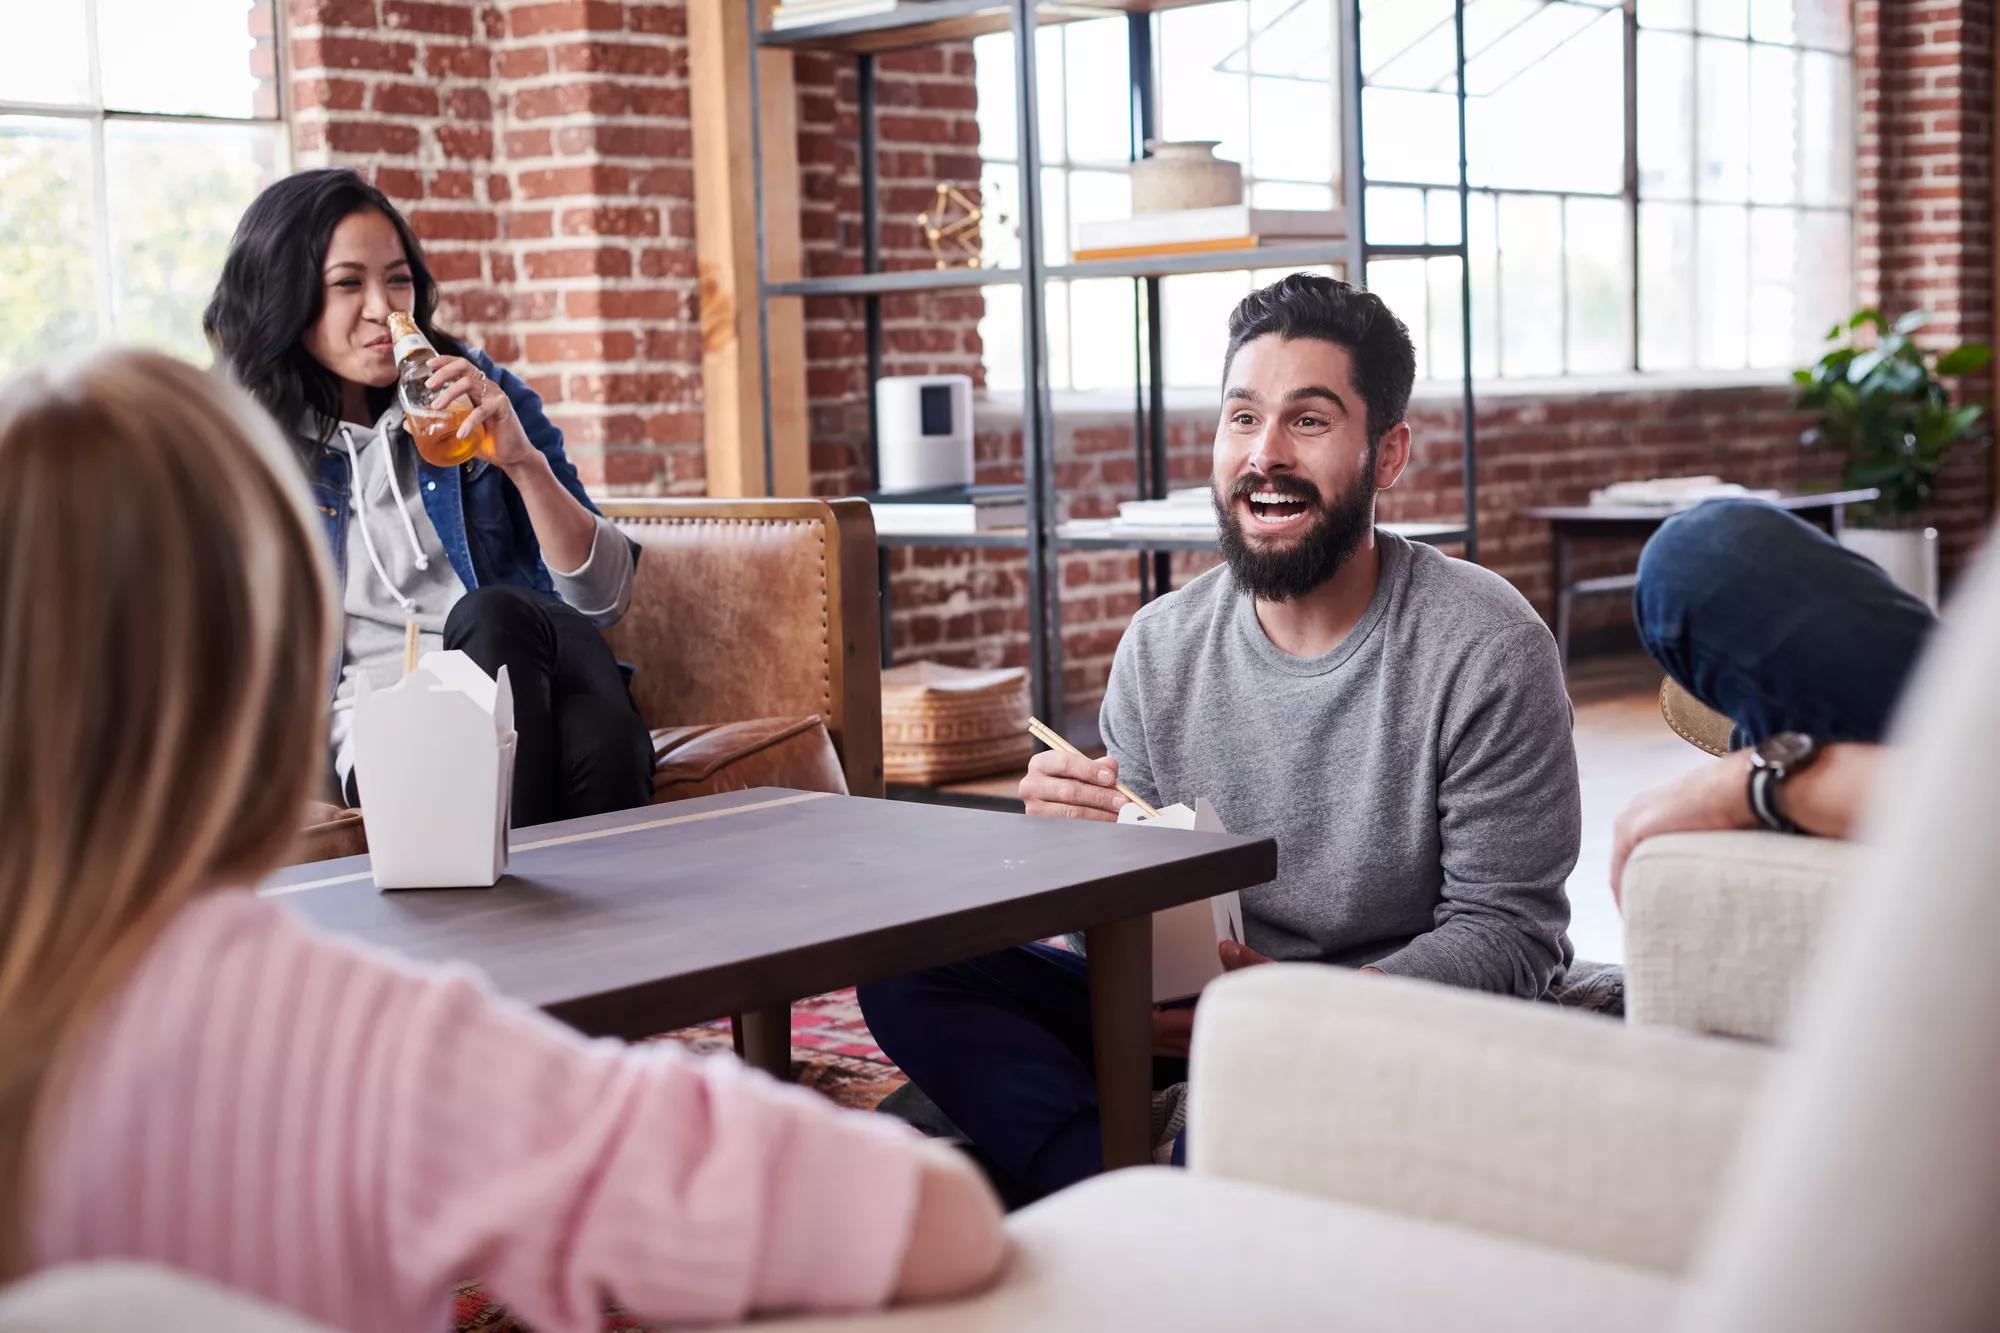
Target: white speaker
pixel 923 431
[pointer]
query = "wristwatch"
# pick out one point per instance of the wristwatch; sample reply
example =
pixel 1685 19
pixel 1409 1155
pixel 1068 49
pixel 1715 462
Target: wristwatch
pixel 1775 759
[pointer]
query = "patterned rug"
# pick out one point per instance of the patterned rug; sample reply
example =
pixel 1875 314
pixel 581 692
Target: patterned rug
pixel 832 1053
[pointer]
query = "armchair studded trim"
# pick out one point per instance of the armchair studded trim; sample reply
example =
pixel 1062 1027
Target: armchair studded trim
pixel 757 609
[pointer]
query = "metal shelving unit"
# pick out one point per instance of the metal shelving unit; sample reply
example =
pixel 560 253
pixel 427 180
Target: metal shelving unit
pixel 1044 539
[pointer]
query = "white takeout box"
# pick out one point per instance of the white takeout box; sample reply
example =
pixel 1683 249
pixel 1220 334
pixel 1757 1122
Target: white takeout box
pixel 434 756
pixel 1185 937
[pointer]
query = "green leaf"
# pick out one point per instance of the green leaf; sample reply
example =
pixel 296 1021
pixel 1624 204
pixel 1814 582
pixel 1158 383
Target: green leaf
pixel 1835 332
pixel 1862 366
pixel 1869 315
pixel 1802 378
pixel 1912 321
pixel 1966 360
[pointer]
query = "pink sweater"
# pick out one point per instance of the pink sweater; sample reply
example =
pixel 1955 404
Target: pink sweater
pixel 349 1136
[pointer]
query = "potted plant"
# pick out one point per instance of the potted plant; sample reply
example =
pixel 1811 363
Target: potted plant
pixel 1885 407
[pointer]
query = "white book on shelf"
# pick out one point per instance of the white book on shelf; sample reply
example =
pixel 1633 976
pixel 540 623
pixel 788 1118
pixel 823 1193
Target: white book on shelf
pixel 935 520
pixel 1193 230
pixel 1188 508
pixel 798 13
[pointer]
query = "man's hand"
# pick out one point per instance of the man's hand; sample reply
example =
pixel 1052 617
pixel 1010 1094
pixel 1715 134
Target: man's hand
pixel 1714 797
pixel 1236 957
pixel 1069 786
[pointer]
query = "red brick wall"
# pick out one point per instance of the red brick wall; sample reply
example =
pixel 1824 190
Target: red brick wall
pixel 543 152
pixel 1925 199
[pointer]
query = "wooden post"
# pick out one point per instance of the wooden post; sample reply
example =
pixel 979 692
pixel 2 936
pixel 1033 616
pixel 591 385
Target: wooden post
pixel 719 54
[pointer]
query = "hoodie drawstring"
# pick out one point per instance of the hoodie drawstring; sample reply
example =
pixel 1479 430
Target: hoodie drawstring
pixel 361 521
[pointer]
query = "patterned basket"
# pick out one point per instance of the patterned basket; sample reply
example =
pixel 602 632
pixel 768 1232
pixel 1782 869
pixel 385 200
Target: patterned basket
pixel 945 724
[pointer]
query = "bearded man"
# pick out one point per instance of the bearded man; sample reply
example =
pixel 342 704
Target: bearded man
pixel 1395 718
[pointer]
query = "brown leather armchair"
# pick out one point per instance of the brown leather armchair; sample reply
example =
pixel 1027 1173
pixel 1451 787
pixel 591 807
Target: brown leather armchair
pixel 753 626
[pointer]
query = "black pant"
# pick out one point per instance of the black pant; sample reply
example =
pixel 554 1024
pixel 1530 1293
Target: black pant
pixel 580 748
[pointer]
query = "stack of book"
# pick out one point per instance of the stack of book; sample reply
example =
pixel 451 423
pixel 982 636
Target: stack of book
pixel 1187 512
pixel 1191 231
pixel 947 511
pixel 798 13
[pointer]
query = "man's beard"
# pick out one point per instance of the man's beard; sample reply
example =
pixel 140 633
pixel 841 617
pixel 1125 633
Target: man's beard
pixel 1281 573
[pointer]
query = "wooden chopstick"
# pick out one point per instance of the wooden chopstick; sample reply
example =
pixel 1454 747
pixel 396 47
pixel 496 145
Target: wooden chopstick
pixel 1042 732
pixel 409 646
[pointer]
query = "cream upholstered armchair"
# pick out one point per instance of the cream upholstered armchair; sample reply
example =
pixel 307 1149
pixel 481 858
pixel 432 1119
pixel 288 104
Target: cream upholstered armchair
pixel 1719 926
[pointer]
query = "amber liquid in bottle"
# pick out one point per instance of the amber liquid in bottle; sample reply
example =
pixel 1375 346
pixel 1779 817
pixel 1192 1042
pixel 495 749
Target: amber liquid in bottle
pixel 434 430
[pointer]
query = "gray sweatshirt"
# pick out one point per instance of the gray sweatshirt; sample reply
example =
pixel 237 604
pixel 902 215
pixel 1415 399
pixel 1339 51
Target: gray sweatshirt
pixel 397 570
pixel 1420 779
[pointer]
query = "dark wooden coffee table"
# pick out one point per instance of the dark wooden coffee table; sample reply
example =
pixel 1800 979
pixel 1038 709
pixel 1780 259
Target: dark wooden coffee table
pixel 634 923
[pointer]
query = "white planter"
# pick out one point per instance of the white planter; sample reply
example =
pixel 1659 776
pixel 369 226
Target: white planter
pixel 1909 555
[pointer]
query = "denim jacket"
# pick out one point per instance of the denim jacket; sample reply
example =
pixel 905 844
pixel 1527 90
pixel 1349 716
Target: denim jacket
pixel 477 512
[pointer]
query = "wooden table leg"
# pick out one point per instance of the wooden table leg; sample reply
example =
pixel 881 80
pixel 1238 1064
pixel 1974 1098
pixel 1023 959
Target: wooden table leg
pixel 763 1040
pixel 1559 578
pixel 1121 995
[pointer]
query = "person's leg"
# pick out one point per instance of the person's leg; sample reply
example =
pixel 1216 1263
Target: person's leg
pixel 605 753
pixel 1002 1045
pixel 510 627
pixel 1774 624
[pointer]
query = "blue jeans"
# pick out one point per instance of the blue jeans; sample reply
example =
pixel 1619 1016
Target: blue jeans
pixel 1775 625
pixel 1002 1045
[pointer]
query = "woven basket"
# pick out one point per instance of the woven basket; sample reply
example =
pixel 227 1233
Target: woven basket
pixel 945 724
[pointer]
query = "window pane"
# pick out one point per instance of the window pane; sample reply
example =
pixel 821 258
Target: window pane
pixel 192 57
pixel 1056 310
pixel 1772 21
pixel 1408 43
pixel 1774 257
pixel 1102 320
pixel 1722 92
pixel 1824 23
pixel 1199 100
pixel 176 193
pixel 1666 115
pixel 1000 198
pixel 45 56
pixel 1196 307
pixel 1531 285
pixel 1724 18
pixel 1395 217
pixel 1826 115
pixel 1826 279
pixel 1578 84
pixel 1666 286
pixel 1288 194
pixel 993 78
pixel 1600 298
pixel 1098 196
pixel 1441 226
pixel 1100 104
pixel 1446 332
pixel 1049 77
pixel 1412 135
pixel 1774 125
pixel 1292 129
pixel 1484 245
pixel 1292 40
pixel 1400 284
pixel 1000 340
pixel 47 285
pixel 1723 270
pixel 1055 216
pixel 1666 14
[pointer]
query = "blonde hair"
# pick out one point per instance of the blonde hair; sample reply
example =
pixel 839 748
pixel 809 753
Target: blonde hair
pixel 166 631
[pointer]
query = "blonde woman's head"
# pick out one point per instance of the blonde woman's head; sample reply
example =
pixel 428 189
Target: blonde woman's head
pixel 166 631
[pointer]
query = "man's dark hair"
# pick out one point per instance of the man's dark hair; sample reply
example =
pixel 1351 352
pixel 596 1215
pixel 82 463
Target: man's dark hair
pixel 1306 305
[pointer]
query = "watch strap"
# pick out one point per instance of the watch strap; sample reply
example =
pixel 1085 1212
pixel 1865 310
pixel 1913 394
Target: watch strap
pixel 1764 800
